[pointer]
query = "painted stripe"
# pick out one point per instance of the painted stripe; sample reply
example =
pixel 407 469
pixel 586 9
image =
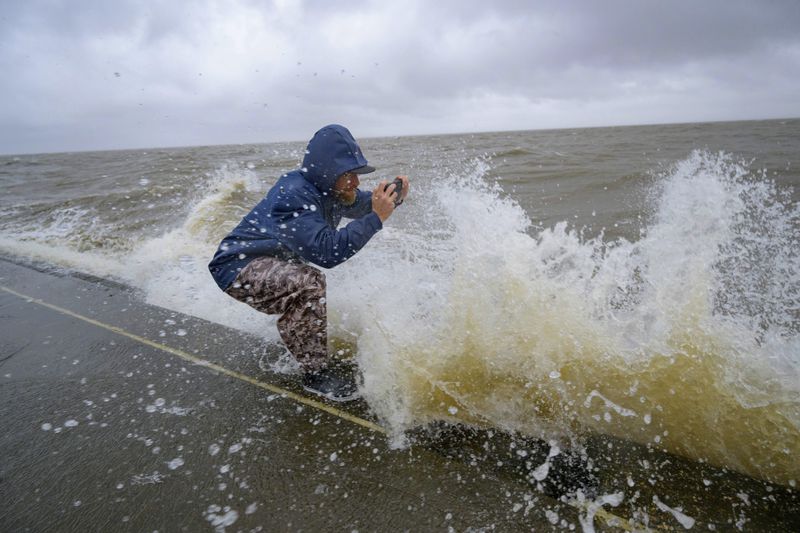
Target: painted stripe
pixel 610 518
pixel 208 364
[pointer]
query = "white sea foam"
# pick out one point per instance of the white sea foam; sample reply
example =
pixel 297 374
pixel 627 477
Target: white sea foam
pixel 460 308
pixel 486 306
pixel 172 268
pixel 543 470
pixel 591 507
pixel 608 403
pixel 221 517
pixel 686 521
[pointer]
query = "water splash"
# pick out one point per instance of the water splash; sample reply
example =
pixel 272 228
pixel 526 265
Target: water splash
pixel 691 348
pixel 171 268
pixel 462 309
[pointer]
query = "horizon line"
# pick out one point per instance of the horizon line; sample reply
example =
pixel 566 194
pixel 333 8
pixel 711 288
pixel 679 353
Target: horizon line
pixel 361 138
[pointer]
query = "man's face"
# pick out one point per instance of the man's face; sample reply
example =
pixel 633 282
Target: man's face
pixel 345 186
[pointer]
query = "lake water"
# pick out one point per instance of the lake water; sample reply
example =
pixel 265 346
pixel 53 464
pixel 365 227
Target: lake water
pixel 637 282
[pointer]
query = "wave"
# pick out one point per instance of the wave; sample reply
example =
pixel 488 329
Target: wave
pixel 516 151
pixel 169 268
pixel 674 341
pixel 463 310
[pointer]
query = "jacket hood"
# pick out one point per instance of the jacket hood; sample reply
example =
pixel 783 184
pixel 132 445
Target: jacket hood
pixel 331 152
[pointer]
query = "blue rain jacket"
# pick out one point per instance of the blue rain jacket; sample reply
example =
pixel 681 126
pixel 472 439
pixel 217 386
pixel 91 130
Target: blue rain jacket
pixel 299 216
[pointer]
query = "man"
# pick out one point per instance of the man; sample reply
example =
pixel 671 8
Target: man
pixel 264 261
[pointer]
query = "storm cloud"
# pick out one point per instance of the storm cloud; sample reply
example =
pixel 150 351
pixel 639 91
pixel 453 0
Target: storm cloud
pixel 96 75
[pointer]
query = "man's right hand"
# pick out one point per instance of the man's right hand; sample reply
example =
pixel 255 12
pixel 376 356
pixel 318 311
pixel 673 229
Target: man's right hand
pixel 383 201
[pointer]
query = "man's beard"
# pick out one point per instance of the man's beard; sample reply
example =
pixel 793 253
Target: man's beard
pixel 346 197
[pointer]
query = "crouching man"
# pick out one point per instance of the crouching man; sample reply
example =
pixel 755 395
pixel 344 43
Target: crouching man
pixel 266 261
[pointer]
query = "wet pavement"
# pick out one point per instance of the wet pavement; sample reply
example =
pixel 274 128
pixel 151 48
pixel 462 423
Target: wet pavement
pixel 120 416
pixel 104 433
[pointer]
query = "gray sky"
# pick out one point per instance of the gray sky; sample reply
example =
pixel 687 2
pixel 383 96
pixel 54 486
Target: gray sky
pixel 81 75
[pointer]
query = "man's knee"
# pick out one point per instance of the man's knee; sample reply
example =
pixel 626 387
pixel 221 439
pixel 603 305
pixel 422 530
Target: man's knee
pixel 314 280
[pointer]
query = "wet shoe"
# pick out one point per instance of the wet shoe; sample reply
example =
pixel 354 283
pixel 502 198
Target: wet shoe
pixel 331 383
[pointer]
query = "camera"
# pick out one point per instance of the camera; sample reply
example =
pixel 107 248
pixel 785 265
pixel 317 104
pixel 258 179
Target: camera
pixel 398 188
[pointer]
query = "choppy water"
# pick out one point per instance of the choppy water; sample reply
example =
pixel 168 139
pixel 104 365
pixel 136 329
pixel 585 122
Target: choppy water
pixel 641 282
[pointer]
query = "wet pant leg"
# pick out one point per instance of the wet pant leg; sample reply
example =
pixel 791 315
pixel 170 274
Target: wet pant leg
pixel 296 292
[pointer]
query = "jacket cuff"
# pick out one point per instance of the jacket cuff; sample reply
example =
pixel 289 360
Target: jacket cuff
pixel 374 221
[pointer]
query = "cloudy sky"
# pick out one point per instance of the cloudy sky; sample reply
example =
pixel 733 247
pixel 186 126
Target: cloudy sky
pixel 81 75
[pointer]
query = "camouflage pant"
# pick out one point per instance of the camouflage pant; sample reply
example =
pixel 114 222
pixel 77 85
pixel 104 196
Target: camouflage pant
pixel 296 292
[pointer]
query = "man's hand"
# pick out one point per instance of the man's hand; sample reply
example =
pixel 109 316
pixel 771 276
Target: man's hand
pixel 383 201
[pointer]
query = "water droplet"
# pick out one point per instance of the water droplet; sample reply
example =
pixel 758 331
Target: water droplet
pixel 175 463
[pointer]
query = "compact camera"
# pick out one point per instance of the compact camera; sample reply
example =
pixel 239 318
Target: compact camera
pixel 398 188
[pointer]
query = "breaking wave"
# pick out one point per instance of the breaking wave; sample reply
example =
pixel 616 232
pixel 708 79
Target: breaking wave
pixel 685 339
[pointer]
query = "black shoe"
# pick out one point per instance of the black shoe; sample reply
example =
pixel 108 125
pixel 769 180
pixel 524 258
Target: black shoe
pixel 331 383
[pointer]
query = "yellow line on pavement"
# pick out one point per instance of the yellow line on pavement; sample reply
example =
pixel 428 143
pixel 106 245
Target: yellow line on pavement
pixel 610 518
pixel 208 364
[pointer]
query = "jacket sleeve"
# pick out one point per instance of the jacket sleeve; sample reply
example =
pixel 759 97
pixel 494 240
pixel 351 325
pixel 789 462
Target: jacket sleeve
pixel 362 206
pixel 303 230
